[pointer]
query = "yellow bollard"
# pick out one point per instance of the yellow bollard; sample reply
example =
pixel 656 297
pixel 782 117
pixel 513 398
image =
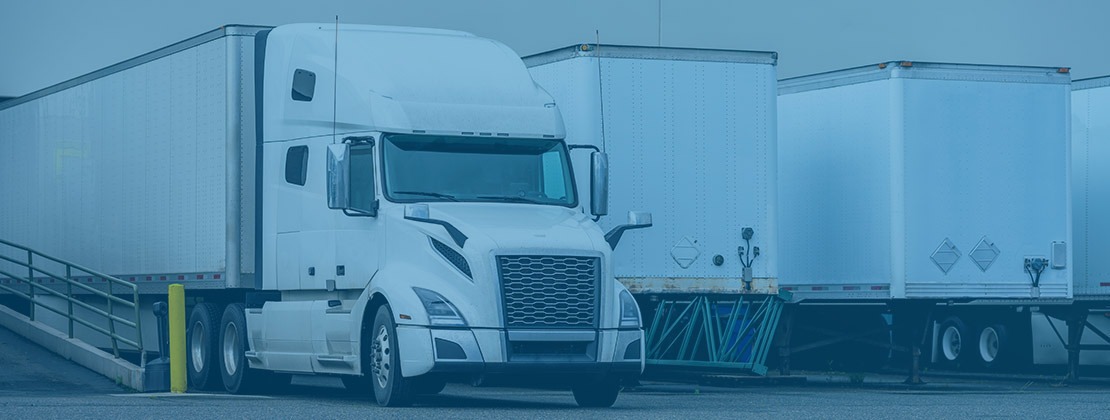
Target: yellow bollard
pixel 177 338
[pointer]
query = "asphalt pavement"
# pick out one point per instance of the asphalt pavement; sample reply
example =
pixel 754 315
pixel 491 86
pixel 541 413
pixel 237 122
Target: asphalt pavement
pixel 37 384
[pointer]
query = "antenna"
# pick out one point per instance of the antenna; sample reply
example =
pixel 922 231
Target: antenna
pixel 659 23
pixel 334 78
pixel 600 85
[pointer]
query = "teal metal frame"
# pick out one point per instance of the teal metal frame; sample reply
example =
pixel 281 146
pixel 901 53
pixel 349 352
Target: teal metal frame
pixel 40 267
pixel 712 332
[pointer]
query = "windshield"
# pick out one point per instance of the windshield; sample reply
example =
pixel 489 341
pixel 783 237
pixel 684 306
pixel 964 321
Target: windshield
pixel 445 168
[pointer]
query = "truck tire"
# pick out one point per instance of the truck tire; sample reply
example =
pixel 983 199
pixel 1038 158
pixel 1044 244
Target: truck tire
pixel 426 385
pixel 359 385
pixel 993 346
pixel 599 392
pixel 391 389
pixel 202 342
pixel 238 377
pixel 953 344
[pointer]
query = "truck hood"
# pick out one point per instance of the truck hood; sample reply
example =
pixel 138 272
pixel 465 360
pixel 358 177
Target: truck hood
pixel 516 226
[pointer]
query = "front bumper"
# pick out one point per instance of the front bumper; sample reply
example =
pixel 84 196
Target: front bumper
pixel 520 352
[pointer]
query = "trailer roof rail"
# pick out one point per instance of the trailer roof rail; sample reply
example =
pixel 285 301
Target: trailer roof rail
pixel 226 30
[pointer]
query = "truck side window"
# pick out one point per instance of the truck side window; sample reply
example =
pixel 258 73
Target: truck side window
pixel 362 178
pixel 296 165
pixel 554 176
pixel 304 85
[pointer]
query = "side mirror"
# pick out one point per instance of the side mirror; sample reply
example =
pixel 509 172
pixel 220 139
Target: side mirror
pixel 640 219
pixel 339 176
pixel 419 212
pixel 599 184
pixel 351 179
pixel 636 220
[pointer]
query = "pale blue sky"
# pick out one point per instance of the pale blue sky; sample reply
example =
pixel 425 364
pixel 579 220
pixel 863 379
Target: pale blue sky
pixel 43 42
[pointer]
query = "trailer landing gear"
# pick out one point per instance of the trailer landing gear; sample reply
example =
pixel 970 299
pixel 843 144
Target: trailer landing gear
pixel 914 331
pixel 1075 335
pixel 1076 319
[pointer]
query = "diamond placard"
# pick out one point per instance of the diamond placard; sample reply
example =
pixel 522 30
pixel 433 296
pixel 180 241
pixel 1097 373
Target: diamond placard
pixel 984 254
pixel 946 255
pixel 685 252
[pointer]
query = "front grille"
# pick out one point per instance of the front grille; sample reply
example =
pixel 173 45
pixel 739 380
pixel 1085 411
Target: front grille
pixel 549 291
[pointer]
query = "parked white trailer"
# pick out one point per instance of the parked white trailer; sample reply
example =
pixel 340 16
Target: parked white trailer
pixel 691 135
pixel 393 205
pixel 1090 110
pixel 1091 185
pixel 939 192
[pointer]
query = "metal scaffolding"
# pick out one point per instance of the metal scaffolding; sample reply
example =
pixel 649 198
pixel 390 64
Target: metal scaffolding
pixel 711 332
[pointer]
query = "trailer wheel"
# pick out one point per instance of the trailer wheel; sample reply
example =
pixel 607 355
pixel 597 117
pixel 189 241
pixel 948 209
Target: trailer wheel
pixel 993 345
pixel 597 392
pixel 203 341
pixel 391 389
pixel 238 377
pixel 951 341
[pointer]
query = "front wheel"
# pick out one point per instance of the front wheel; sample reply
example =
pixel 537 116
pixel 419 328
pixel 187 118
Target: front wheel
pixel 357 384
pixel 428 385
pixel 391 389
pixel 599 392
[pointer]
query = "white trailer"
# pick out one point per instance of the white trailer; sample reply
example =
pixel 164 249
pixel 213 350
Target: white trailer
pixel 936 197
pixel 392 205
pixel 691 135
pixel 1090 106
pixel 1090 141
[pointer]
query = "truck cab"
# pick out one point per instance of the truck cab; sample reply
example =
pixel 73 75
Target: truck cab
pixel 420 222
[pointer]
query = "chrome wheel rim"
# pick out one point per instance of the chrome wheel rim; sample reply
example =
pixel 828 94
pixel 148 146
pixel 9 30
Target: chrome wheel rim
pixel 197 348
pixel 381 356
pixel 951 343
pixel 988 345
pixel 231 348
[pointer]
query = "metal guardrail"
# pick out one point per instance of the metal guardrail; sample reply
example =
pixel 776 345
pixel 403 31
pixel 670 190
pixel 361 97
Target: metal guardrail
pixel 35 289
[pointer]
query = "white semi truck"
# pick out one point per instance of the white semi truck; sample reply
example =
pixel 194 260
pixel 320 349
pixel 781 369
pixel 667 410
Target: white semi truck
pixel 690 134
pixel 395 206
pixel 936 198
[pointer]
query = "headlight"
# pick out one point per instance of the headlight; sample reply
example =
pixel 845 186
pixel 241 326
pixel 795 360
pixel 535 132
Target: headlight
pixel 440 310
pixel 630 311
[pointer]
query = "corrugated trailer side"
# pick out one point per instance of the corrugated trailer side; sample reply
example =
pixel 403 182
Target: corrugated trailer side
pixel 682 126
pixel 835 189
pixel 922 180
pixel 1091 186
pixel 144 169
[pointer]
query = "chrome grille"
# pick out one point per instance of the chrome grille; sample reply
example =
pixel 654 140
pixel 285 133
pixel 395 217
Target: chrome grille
pixel 549 291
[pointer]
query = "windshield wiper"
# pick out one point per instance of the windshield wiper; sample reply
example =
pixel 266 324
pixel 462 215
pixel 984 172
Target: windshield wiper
pixel 429 194
pixel 509 199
